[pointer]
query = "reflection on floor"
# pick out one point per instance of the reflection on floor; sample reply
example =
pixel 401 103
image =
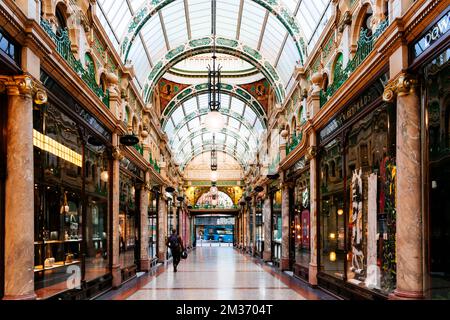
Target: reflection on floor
pixel 216 273
pixel 56 282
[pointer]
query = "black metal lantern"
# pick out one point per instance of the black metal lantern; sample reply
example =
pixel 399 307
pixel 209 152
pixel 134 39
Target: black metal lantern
pixel 129 140
pixel 273 176
pixel 259 189
pixel 170 189
pixel 94 141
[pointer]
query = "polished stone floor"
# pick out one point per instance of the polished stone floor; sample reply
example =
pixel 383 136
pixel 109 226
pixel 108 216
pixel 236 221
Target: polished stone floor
pixel 216 273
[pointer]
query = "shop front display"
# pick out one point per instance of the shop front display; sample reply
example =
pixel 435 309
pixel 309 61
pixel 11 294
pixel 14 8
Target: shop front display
pixel 131 177
pixel 169 222
pixel 431 54
pixel 357 197
pixel 153 225
pixel 71 196
pixel 276 226
pixel 259 228
pixel 300 246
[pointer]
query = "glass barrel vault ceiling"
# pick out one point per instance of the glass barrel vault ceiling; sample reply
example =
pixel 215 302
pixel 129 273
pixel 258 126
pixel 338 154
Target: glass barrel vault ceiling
pixel 180 21
pixel 189 137
pixel 244 20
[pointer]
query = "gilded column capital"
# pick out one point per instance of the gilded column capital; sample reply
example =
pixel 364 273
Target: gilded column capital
pixel 23 85
pixel 402 85
pixel 311 153
pixel 117 154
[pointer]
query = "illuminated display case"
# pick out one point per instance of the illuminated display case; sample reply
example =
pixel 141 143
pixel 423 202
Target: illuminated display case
pixel 71 197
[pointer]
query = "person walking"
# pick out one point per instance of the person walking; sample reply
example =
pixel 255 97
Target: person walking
pixel 175 243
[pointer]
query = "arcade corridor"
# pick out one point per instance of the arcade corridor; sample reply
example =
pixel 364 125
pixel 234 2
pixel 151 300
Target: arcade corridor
pixel 216 273
pixel 297 149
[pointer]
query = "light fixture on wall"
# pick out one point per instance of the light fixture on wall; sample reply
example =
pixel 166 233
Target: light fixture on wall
pixel 104 176
pixel 340 212
pixel 214 120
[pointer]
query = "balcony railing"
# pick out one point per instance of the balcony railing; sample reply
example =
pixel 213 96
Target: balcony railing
pixel 295 140
pixel 63 46
pixel 365 47
pixel 154 164
pixel 139 149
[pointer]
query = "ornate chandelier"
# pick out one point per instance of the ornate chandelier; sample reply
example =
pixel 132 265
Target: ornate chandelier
pixel 214 120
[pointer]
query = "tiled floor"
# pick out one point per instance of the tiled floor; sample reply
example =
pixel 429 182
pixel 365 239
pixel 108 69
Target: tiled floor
pixel 216 273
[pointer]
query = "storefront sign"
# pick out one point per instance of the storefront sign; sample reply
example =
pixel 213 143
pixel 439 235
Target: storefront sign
pixel 359 104
pixel 436 32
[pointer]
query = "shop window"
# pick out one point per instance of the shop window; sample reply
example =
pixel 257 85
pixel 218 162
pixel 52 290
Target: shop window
pixel 437 99
pixel 97 219
pixel 301 223
pixel 276 226
pixel 153 224
pixel 127 220
pixel 357 221
pixel 60 222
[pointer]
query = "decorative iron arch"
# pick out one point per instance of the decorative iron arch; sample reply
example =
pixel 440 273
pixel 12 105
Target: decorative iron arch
pixel 227 131
pixel 205 111
pixel 206 148
pixel 222 45
pixel 230 89
pixel 151 7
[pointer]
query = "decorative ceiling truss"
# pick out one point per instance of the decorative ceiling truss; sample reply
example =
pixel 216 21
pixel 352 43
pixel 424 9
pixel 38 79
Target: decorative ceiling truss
pixel 152 7
pixel 223 45
pixel 232 90
pixel 144 31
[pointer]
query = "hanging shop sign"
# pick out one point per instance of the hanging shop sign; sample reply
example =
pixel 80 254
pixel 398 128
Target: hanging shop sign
pixel 357 106
pixel 436 32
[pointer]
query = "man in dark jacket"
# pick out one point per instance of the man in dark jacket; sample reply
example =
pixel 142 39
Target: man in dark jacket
pixel 175 243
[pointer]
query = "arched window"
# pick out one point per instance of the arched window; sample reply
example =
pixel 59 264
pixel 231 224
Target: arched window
pixel 61 19
pixel 89 62
pixel 367 21
pixel 126 117
pixel 325 82
pixel 103 82
pixel 338 66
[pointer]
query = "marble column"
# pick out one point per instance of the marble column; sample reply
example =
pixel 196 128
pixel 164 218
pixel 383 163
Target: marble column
pixel 174 218
pixel 144 238
pixel 19 191
pixel 313 200
pixel 162 230
pixel 409 214
pixel 284 262
pixel 116 267
pixel 254 227
pixel 267 255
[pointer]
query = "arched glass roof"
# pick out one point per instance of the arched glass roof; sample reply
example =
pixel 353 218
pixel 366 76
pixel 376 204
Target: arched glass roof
pixel 258 24
pixel 187 133
pixel 156 35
